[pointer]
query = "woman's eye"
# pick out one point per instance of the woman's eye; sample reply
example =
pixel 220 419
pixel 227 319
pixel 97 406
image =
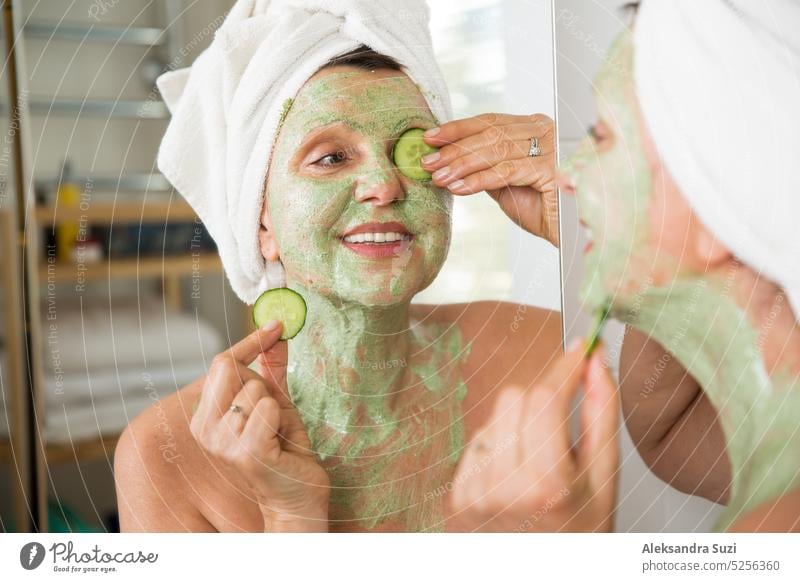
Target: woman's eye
pixel 335 159
pixel 599 132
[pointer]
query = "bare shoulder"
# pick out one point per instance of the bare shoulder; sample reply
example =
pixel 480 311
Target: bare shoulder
pixel 510 344
pixel 516 339
pixel 155 467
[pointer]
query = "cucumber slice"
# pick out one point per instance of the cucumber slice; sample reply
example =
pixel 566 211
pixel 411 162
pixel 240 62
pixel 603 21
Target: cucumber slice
pixel 599 322
pixel 408 151
pixel 283 304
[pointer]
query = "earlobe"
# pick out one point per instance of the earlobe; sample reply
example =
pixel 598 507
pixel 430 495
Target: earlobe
pixel 708 248
pixel 268 244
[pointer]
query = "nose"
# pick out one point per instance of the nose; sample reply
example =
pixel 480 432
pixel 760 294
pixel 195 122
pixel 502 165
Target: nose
pixel 379 185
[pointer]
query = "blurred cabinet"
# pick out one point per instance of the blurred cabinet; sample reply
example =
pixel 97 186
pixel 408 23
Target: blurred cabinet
pixel 81 88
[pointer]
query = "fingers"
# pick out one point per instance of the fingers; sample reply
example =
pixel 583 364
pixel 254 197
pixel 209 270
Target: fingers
pixel 247 398
pixel 558 387
pixel 260 435
pixel 223 382
pixel 453 131
pixel 494 137
pixel 536 173
pixel 598 453
pixel 471 161
pixel 488 149
pixel 259 341
pixel 273 364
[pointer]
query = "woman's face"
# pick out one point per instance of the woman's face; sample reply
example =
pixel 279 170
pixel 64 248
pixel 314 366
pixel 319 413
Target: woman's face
pixel 643 231
pixel 332 184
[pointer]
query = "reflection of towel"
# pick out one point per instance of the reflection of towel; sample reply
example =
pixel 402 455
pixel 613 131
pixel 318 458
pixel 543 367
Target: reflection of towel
pixel 719 86
pixel 226 107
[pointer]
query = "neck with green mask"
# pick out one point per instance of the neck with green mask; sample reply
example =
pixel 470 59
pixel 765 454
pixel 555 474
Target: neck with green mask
pixel 380 396
pixel 711 336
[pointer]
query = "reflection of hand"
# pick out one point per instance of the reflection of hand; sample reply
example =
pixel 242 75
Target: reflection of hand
pixel 265 442
pixel 522 473
pixel 490 152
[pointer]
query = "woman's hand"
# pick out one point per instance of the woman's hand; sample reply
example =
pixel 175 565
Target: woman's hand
pixel 522 473
pixel 490 152
pixel 247 422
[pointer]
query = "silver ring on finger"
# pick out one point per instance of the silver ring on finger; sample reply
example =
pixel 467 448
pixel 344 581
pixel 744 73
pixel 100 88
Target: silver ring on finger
pixel 534 150
pixel 237 410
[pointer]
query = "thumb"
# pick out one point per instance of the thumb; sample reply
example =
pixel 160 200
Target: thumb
pixel 273 363
pixel 598 452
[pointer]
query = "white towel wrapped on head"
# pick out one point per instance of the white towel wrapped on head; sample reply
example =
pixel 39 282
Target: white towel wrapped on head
pixel 718 82
pixel 227 106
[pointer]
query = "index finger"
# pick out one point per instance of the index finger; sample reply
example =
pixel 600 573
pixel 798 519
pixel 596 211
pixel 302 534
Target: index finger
pixel 460 128
pixel 552 397
pixel 261 340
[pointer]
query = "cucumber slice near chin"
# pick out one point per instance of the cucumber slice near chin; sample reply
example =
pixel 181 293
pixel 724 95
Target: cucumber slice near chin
pixel 408 151
pixel 283 304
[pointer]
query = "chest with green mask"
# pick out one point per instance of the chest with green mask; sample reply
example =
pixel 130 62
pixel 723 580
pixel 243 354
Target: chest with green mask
pixel 383 414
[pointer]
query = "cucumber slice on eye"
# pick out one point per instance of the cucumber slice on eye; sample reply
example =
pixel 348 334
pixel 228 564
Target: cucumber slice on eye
pixel 408 151
pixel 283 304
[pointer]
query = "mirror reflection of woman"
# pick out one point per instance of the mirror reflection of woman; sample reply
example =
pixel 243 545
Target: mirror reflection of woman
pixel 377 416
pixel 695 247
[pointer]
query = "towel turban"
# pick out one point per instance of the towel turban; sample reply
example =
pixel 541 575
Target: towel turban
pixel 226 108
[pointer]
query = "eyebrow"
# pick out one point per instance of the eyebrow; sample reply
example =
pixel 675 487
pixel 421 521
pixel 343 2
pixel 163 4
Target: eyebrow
pixel 408 120
pixel 328 121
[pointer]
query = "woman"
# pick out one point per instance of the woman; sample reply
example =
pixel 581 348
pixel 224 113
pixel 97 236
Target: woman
pixel 360 424
pixel 684 253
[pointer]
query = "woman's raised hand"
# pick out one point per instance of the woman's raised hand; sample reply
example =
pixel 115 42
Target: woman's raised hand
pixel 522 473
pixel 247 422
pixel 491 152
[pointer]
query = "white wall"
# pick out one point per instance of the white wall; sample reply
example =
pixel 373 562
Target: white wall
pixel 583 30
pixel 531 84
pixel 496 56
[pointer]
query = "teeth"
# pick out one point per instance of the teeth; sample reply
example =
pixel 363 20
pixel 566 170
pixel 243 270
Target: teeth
pixel 376 237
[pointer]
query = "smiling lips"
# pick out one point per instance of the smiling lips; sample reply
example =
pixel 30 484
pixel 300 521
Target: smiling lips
pixel 377 239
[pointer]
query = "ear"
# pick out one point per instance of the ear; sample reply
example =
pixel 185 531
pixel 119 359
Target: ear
pixel 267 241
pixel 708 249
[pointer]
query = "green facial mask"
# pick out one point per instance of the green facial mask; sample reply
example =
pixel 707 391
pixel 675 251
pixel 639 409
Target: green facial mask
pixel 311 210
pixel 695 318
pixel 380 395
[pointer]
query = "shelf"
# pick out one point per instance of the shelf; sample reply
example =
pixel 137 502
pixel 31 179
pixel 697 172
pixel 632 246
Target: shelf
pixel 88 450
pixel 130 268
pixel 118 212
pixel 102 108
pixel 141 35
pixel 112 183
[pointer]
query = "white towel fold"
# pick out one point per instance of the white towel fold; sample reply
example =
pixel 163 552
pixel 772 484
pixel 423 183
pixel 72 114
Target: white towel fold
pixel 226 107
pixel 719 87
